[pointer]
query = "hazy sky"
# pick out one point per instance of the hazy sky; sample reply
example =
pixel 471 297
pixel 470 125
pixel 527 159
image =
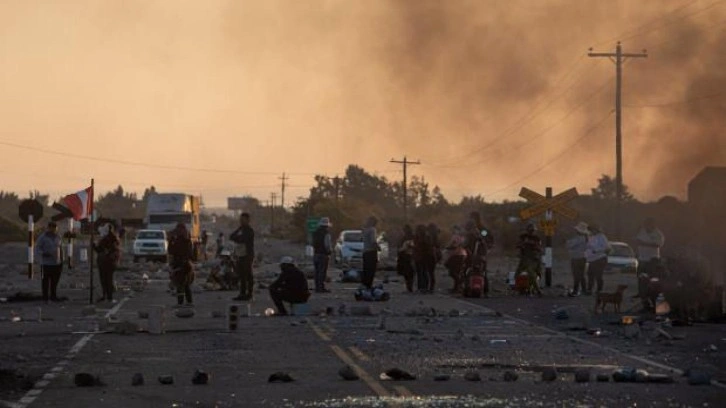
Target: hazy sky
pixel 489 95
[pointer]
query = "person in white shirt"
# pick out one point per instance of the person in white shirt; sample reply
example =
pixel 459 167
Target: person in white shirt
pixel 576 246
pixel 596 254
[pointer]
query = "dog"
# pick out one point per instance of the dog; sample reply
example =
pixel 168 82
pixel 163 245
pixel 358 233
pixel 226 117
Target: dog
pixel 602 299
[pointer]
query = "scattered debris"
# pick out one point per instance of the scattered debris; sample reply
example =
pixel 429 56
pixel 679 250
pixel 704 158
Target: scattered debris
pixel 166 379
pixel 361 310
pixel 184 312
pixel 442 377
pixel 280 377
pixel 698 377
pixel 125 327
pixel 631 331
pixel 510 376
pixel 454 313
pixel 582 375
pixel 641 376
pixel 549 374
pixel 200 378
pixel 662 333
pixel 87 380
pixel 472 376
pixel 137 380
pixel 625 374
pixel 216 314
pixel 348 373
pixel 660 379
pixel 397 374
pixel 143 314
pixel 602 377
pixel 88 311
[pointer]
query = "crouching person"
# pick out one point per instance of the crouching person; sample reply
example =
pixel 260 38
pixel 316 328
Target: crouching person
pixel 291 286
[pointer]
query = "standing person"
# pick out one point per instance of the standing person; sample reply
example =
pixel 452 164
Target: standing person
pixel 404 261
pixel 205 240
pixel 530 257
pixel 109 254
pixel 423 256
pixel 181 252
pixel 576 247
pixel 455 258
pixel 370 252
pixel 49 249
pixel 650 240
pixel 433 231
pixel 291 286
pixel 596 254
pixel 220 244
pixel 322 248
pixel 244 252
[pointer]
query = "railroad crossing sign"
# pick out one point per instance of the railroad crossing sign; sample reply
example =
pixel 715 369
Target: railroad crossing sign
pixel 541 203
pixel 28 208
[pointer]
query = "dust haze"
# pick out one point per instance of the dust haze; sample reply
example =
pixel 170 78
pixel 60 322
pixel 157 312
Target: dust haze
pixel 490 95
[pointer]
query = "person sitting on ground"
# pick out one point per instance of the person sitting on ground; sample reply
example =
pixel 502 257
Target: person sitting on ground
pixel 291 286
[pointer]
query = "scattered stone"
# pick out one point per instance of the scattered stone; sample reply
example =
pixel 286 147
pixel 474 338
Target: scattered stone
pixel 88 311
pixel 361 310
pixel 454 313
pixel 603 377
pixel 87 380
pixel 561 314
pixel 280 377
pixel 442 377
pixel 660 333
pixel 348 373
pixel 216 314
pixel 21 358
pixel 510 376
pixel 166 379
pixel 549 374
pixel 200 378
pixel 475 338
pixel 625 374
pixel 472 376
pixel 126 328
pixel 143 314
pixel 414 332
pixel 381 323
pixel 184 312
pixel 698 377
pixel 582 376
pixel 137 380
pixel 660 379
pixel 397 374
pixel 459 334
pixel 641 376
pixel 712 348
pixel 438 340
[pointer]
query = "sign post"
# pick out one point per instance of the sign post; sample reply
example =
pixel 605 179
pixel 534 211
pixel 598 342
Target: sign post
pixel 548 205
pixel 30 211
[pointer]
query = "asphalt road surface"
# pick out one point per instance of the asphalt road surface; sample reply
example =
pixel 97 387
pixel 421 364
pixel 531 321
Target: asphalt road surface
pixel 426 335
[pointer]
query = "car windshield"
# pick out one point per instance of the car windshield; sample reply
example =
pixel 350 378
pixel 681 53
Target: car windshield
pixel 170 218
pixel 355 236
pixel 623 251
pixel 150 235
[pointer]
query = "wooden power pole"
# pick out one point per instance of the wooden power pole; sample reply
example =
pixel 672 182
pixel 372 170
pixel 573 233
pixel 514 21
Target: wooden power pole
pixel 405 162
pixel 618 57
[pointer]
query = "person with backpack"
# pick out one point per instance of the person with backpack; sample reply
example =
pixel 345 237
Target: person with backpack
pixel 322 247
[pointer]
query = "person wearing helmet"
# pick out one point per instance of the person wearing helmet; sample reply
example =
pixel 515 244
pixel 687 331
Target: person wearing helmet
pixel 291 286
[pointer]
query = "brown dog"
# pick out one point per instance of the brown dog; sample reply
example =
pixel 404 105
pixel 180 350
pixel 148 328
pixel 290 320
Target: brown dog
pixel 615 298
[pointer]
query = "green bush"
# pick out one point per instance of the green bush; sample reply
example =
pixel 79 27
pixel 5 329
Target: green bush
pixel 11 232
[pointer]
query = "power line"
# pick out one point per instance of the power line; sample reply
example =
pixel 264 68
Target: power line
pixel 557 157
pixel 139 164
pixel 675 103
pixel 671 22
pixel 405 162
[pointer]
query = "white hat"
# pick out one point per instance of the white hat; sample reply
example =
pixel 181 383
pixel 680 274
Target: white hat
pixel 582 228
pixel 287 260
pixel 325 222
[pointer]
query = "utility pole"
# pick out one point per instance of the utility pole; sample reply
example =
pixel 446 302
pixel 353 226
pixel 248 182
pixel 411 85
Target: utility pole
pixel 618 57
pixel 283 179
pixel 405 162
pixel 336 187
pixel 273 197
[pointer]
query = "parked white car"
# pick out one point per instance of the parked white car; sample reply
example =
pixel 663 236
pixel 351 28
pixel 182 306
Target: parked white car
pixel 622 258
pixel 349 248
pixel 150 245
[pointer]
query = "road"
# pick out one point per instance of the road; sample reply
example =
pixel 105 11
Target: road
pixel 426 335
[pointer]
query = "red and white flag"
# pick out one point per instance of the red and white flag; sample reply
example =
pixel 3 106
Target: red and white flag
pixel 78 205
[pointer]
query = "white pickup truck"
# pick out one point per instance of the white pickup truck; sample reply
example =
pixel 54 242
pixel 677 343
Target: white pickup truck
pixel 150 245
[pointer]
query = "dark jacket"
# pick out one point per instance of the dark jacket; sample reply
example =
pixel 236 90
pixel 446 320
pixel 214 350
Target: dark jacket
pixel 291 279
pixel 181 251
pixel 244 236
pixel 108 249
pixel 321 241
pixel 423 247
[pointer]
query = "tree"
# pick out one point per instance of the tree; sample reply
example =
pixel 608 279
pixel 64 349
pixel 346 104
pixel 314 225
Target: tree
pixel 606 190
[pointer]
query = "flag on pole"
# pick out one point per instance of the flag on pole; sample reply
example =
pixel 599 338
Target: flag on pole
pixel 78 205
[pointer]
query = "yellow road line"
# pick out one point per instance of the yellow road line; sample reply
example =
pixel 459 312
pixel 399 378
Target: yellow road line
pixel 359 354
pixel 318 331
pixel 367 378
